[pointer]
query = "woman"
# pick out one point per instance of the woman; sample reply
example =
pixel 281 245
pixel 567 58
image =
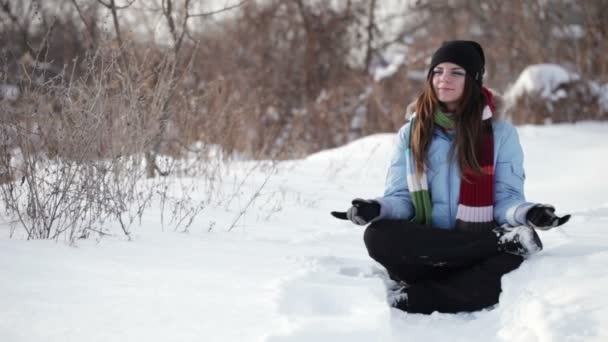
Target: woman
pixel 453 218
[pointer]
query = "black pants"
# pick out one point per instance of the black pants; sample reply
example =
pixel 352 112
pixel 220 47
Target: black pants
pixel 447 270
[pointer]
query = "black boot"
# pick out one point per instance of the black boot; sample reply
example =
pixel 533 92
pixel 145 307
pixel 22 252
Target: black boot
pixel 520 240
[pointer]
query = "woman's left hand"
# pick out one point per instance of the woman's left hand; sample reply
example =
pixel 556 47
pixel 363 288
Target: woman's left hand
pixel 542 216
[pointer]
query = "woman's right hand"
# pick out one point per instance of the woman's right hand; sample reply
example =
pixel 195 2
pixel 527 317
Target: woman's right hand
pixel 361 212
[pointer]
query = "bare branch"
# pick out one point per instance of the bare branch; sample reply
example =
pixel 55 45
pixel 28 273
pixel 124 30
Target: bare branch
pixel 167 7
pixel 225 9
pixel 112 5
pixel 179 41
pixel 90 33
pixel 24 32
pixel 251 200
pixel 370 33
pixel 113 9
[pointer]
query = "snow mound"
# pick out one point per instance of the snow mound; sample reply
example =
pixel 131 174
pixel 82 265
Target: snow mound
pixel 602 93
pixel 542 80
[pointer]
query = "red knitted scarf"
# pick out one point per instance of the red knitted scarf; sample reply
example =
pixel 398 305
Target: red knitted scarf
pixel 476 204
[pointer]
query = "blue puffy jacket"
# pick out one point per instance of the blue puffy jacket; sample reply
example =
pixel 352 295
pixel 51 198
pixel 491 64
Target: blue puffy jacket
pixel 510 205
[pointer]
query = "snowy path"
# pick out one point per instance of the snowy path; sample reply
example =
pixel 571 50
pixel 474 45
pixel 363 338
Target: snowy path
pixel 290 272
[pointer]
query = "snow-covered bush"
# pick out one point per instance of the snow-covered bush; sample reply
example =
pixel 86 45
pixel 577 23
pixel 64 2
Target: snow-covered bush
pixel 601 91
pixel 546 93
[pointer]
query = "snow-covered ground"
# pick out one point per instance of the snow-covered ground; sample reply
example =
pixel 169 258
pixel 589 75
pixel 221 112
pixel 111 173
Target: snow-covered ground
pixel 291 272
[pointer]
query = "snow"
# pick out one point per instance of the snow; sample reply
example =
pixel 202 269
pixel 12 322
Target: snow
pixel 568 32
pixel 290 272
pixel 602 94
pixel 9 92
pixel 525 237
pixel 394 60
pixel 541 79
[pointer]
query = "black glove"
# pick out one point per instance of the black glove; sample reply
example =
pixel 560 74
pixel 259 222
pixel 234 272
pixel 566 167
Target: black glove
pixel 361 213
pixel 542 216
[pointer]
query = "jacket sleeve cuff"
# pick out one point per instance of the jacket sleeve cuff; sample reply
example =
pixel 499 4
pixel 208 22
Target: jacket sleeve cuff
pixel 516 215
pixel 385 208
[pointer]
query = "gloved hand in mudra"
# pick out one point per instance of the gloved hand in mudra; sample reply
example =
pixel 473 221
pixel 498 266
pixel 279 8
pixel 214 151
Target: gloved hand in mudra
pixel 362 211
pixel 542 216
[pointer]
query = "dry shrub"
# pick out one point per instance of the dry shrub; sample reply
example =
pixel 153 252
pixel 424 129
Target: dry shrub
pixel 79 139
pixel 288 76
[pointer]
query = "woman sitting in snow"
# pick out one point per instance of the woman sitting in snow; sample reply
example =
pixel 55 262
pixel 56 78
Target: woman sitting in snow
pixel 453 219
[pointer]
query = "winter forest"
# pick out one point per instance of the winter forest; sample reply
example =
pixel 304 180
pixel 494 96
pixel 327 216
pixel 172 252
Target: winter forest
pixel 167 167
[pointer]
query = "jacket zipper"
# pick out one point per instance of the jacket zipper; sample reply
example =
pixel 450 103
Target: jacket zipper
pixel 450 192
pixel 451 162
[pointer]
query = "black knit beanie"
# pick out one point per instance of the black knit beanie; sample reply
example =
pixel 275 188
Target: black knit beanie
pixel 465 53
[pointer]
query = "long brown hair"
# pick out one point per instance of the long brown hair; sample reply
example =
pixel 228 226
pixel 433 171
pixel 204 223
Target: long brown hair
pixel 468 126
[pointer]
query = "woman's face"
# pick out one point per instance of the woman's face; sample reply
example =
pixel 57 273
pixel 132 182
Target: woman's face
pixel 448 83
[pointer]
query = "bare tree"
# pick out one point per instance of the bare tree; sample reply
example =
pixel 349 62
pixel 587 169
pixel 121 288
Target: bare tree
pixel 178 38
